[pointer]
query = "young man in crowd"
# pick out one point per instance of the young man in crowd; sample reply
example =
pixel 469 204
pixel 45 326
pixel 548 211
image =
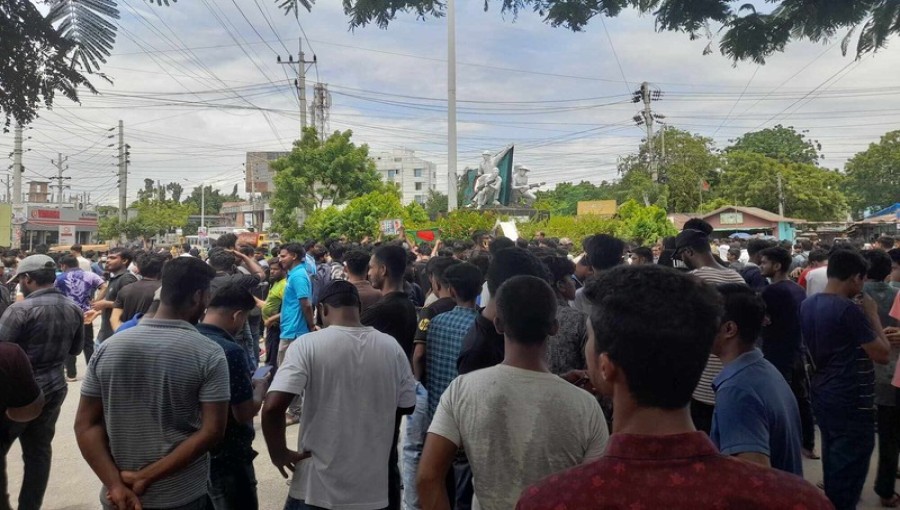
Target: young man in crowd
pixel 271 311
pixel 83 263
pixel 49 327
pixel 507 417
pixel 336 369
pixel 156 452
pixel 117 262
pixel 232 480
pixel 603 252
pixel 79 286
pixel 297 317
pixel 137 297
pixel 226 263
pixel 483 346
pixel 565 349
pixel 756 417
pixel 356 267
pixel 22 399
pixel 692 247
pixel 648 342
pixel 782 338
pixel 417 423
pixel 844 340
pixel 816 279
pixel 751 272
pixel 888 412
pixel 395 315
pixel 894 277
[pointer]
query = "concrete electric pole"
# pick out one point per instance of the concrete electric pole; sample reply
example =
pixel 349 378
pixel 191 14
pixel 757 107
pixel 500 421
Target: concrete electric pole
pixel 647 118
pixel 17 206
pixel 300 82
pixel 58 162
pixel 451 106
pixel 123 175
pixel 320 109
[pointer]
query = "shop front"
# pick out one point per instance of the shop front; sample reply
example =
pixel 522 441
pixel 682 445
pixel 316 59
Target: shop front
pixel 55 226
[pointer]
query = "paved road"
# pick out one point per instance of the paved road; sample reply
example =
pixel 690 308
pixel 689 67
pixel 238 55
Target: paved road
pixel 74 487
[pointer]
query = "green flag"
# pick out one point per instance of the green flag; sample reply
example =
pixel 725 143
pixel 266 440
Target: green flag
pixel 505 164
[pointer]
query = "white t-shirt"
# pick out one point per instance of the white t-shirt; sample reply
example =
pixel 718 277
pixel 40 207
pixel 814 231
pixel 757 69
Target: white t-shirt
pixel 518 426
pixel 723 251
pixel 353 380
pixel 816 280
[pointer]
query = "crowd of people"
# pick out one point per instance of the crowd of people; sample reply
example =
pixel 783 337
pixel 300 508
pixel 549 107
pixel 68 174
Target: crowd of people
pixel 492 373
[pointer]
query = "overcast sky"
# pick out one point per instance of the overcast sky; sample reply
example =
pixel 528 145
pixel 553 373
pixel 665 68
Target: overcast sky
pixel 197 86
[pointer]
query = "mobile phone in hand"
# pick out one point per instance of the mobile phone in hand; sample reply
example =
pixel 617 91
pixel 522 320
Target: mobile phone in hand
pixel 262 372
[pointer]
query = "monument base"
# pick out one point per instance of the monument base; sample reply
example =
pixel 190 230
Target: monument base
pixel 519 212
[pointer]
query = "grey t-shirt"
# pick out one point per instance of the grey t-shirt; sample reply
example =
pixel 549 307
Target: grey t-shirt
pixel 152 380
pixel 509 421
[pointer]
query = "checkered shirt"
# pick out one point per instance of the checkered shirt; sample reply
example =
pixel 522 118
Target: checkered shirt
pixel 445 335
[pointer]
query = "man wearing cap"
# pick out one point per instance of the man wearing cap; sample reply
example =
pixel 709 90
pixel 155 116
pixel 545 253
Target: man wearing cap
pixel 340 458
pixel 521 186
pixel 48 327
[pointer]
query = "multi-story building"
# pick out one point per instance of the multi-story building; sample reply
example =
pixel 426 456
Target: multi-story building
pixel 259 177
pixel 414 176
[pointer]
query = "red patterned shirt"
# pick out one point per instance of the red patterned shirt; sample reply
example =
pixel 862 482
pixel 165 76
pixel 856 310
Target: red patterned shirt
pixel 681 471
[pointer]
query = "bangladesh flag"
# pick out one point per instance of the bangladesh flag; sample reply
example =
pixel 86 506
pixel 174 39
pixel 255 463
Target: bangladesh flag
pixel 423 236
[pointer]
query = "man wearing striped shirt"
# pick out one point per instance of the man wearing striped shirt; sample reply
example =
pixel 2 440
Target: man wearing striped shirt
pixel 155 400
pixel 692 247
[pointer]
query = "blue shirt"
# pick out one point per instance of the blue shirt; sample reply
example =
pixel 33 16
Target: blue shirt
pixel 756 412
pixel 237 445
pixel 834 329
pixel 298 286
pixel 445 336
pixel 79 286
pixel 130 323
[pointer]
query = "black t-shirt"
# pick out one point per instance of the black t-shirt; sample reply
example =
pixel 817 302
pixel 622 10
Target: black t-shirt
pixel 394 315
pixel 431 311
pixel 116 284
pixel 16 378
pixel 482 347
pixel 136 298
pixel 781 339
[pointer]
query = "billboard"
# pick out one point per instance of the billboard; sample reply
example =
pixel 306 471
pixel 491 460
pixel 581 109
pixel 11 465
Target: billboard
pixel 605 208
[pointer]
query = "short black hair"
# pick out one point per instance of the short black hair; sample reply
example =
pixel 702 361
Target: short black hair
pixel 745 308
pixel 186 247
pixel 604 251
pixel 76 248
pixel 295 248
pixel 481 260
pixel 886 241
pixel 232 296
pixel 818 255
pixel 437 267
pixel 393 258
pixel 44 276
pixel 337 251
pixel 68 260
pixel 227 241
pixel 643 252
pixel 845 263
pixel 42 249
pixel 247 250
pixel 698 224
pixel 340 294
pixel 357 262
pixel 500 243
pixel 150 265
pixel 894 254
pixel 123 253
pixel 511 262
pixel 779 256
pixel 465 279
pixel 755 246
pixel 181 278
pixel 559 267
pixel 534 295
pixel 220 259
pixel 879 265
pixel 658 325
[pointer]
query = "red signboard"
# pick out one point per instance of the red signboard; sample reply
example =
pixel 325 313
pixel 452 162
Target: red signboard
pixel 45 213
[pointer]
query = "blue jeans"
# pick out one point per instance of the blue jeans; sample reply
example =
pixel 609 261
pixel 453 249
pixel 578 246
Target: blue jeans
pixel 232 484
pixel 416 428
pixel 848 439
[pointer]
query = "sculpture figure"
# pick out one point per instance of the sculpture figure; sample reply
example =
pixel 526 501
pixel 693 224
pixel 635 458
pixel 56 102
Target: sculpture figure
pixel 521 189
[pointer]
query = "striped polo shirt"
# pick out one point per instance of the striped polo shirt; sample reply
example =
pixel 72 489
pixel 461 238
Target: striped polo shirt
pixel 152 380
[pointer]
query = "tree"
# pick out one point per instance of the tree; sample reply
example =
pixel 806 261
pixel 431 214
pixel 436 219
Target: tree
pixel 689 161
pixel 564 198
pixel 316 171
pixel 435 204
pixel 149 191
pixel 643 224
pixel 810 192
pixel 782 143
pixel 159 216
pixel 213 200
pixel 176 190
pixel 873 175
pixel 360 218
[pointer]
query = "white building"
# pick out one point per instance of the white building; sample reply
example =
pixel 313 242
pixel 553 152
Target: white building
pixel 415 176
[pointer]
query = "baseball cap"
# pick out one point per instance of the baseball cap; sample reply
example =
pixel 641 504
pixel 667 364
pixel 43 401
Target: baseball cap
pixel 690 238
pixel 32 263
pixel 333 293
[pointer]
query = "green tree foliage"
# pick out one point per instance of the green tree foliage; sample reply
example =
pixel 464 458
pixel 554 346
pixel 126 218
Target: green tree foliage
pixel 462 223
pixel 643 224
pixel 159 216
pixel 782 143
pixel 688 161
pixel 564 198
pixel 109 228
pixel 873 175
pixel 575 228
pixel 810 192
pixel 435 204
pixel 316 171
pixel 214 200
pixel 360 217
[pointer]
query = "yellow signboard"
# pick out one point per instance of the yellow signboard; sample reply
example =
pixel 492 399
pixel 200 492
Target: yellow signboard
pixel 597 208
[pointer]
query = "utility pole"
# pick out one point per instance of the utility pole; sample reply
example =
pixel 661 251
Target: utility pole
pixel 320 109
pixel 647 118
pixel 451 106
pixel 17 206
pixel 780 197
pixel 300 82
pixel 59 177
pixel 123 175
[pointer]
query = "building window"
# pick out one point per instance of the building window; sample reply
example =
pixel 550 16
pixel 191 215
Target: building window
pixel 420 199
pixel 391 174
pixel 397 160
pixel 417 172
pixel 418 186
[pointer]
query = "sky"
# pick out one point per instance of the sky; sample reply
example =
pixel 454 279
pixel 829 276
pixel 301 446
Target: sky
pixel 197 86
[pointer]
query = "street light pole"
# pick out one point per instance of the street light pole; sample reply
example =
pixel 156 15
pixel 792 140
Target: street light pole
pixel 451 106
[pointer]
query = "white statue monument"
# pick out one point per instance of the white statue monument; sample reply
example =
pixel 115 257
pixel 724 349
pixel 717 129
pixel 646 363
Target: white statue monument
pixel 487 189
pixel 522 193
